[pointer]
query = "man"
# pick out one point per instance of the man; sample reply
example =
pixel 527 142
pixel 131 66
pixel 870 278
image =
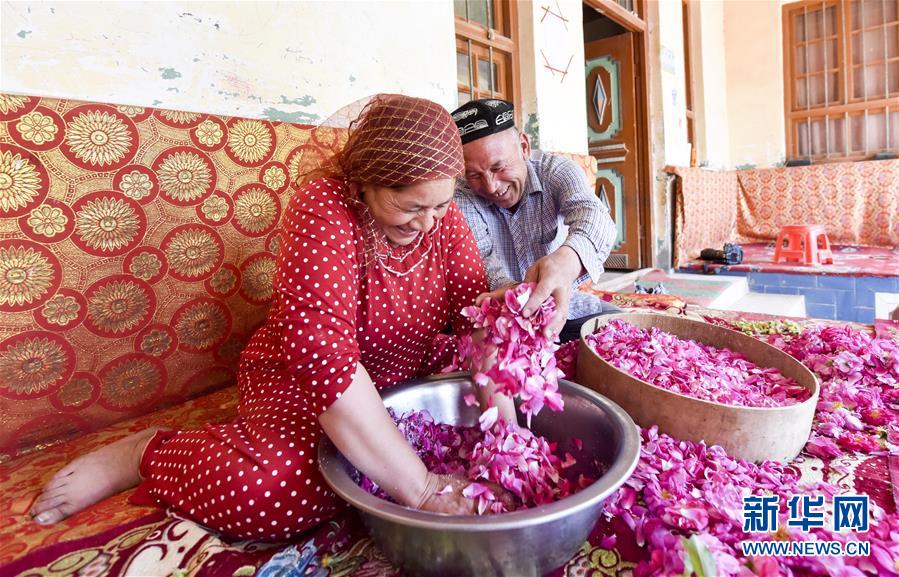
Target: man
pixel 534 219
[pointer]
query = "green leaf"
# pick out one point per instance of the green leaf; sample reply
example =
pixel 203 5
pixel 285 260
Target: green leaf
pixel 698 560
pixel 245 571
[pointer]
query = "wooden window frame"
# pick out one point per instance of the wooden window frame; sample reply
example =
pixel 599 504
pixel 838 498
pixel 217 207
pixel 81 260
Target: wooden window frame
pixel 688 81
pixel 477 40
pixel 846 105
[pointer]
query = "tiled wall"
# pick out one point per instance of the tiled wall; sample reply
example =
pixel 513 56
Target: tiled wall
pixel 844 298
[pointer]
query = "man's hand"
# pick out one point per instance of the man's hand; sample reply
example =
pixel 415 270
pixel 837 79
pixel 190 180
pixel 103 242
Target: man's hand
pixel 553 274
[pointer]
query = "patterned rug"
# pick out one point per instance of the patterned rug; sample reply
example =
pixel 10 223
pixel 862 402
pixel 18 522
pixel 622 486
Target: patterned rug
pixel 119 539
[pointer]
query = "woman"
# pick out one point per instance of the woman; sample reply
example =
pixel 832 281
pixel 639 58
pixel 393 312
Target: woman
pixel 375 261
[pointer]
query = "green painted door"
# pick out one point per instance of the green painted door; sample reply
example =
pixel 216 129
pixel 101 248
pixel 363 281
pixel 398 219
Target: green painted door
pixel 612 133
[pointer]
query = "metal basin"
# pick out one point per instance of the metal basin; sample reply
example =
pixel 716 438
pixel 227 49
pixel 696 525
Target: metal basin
pixel 520 544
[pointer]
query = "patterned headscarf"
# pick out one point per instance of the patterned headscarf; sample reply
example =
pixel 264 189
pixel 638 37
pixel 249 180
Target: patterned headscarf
pixel 393 141
pixel 399 140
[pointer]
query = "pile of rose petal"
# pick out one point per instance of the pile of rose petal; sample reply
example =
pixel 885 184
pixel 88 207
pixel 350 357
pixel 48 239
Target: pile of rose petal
pixel 686 500
pixel 525 358
pixel 857 408
pixel 693 369
pixel 523 463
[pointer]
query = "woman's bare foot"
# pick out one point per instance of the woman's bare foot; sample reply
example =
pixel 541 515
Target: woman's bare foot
pixel 91 478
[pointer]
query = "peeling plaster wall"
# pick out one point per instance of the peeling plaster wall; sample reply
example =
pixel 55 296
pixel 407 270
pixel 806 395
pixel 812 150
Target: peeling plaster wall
pixel 290 61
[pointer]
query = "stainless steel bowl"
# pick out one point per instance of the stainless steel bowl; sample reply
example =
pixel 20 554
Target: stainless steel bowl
pixel 520 544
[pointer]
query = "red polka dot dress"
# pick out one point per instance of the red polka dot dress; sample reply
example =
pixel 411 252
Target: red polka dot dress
pixel 257 477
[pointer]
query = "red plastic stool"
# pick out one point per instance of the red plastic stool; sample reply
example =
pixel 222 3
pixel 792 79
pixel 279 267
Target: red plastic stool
pixel 805 243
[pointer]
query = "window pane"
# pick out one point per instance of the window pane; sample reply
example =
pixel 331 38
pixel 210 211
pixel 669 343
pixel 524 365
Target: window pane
pixel 803 138
pixel 811 91
pixel 463 69
pixel 894 130
pixel 893 69
pixel 874 45
pixel 627 5
pixel 813 24
pixel 866 13
pixel 873 12
pixel 891 8
pixel 833 88
pixel 798 27
pixel 829 26
pixel 459 9
pixel 832 49
pixel 481 11
pixel 462 97
pixel 800 60
pixel 836 136
pixel 485 79
pixel 870 81
pixel 857 133
pixel 877 132
pixel 869 46
pixel 821 23
pixel 818 59
pixel 816 89
pixel 801 94
pixel 818 138
pixel 892 40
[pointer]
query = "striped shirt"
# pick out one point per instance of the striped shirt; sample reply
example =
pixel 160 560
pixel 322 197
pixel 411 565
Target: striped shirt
pixel 557 208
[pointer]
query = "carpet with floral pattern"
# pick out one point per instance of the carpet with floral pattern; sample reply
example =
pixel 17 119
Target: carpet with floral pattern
pixel 117 538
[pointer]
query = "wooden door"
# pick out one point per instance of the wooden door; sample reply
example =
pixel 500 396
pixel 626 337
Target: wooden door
pixel 612 134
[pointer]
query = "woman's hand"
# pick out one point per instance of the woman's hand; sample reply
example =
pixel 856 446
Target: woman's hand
pixel 487 395
pixel 443 494
pixel 360 427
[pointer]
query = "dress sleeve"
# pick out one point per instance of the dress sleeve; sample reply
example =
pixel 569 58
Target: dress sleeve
pixel 465 277
pixel 317 281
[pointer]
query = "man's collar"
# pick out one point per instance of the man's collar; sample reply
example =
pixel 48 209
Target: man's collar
pixel 532 185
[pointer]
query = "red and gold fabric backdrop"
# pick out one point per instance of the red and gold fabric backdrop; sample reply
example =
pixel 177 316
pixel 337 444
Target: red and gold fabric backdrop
pixel 704 211
pixel 137 247
pixel 858 202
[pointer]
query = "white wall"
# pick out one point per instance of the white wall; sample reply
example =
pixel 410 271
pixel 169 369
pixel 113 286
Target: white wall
pixel 557 45
pixel 291 61
pixel 670 32
pixel 711 129
pixel 753 49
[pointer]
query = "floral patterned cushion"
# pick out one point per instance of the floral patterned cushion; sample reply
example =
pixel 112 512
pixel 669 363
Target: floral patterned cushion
pixel 137 247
